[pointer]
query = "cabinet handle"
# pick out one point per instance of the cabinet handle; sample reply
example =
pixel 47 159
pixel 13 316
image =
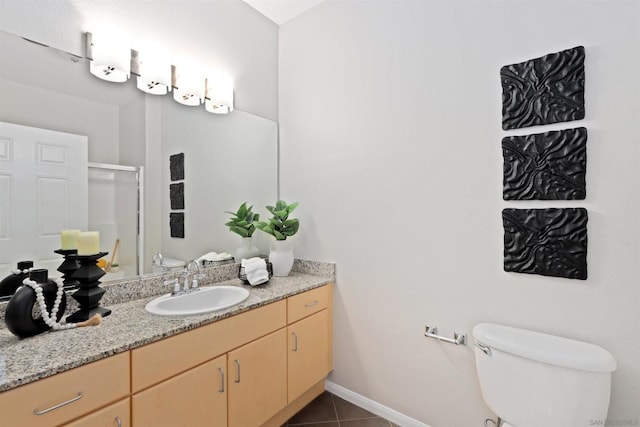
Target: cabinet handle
pixel 59 405
pixel 118 421
pixel 295 341
pixel 238 370
pixel 221 389
pixel 311 304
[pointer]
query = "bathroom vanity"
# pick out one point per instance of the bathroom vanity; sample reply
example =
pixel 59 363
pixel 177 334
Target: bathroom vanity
pixel 254 364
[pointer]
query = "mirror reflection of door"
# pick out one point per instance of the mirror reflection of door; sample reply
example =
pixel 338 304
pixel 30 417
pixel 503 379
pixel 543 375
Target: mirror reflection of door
pixel 43 190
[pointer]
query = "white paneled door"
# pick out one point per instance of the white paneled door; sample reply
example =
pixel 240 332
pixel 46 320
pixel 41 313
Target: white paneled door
pixel 43 189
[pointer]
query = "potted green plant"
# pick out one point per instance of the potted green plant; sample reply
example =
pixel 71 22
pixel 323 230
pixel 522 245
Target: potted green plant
pixel 243 223
pixel 280 226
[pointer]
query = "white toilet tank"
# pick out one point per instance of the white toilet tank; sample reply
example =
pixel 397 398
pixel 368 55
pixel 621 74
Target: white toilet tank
pixel 531 379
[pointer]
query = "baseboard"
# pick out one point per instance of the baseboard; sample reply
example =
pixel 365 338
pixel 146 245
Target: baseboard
pixel 372 406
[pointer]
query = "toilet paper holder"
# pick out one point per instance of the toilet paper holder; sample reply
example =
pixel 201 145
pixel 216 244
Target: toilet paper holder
pixel 458 338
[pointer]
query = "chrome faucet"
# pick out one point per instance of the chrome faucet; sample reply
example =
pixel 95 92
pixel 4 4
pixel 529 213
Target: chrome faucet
pixel 158 260
pixel 194 279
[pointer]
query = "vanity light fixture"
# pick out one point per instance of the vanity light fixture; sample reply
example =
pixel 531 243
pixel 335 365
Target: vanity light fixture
pixel 219 95
pixel 112 59
pixel 189 84
pixel 154 70
pixel 110 54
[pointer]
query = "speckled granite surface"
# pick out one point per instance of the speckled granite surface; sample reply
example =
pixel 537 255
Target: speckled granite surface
pixel 130 326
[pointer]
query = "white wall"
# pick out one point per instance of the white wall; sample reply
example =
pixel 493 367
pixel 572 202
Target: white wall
pixel 32 106
pixel 390 117
pixel 228 35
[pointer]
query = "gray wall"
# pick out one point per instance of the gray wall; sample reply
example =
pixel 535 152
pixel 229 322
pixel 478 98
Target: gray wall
pixel 390 117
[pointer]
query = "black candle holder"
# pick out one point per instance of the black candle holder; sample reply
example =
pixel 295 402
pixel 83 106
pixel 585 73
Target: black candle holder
pixel 68 267
pixel 89 293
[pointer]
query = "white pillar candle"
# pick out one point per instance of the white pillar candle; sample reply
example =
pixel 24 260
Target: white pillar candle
pixel 88 243
pixel 69 239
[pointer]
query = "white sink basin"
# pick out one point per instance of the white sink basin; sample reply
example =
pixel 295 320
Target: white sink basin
pixel 204 300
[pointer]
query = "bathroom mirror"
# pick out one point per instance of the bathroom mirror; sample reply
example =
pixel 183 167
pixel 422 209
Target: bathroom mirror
pixel 228 159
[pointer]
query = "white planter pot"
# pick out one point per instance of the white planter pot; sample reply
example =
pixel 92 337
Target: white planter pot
pixel 281 256
pixel 247 250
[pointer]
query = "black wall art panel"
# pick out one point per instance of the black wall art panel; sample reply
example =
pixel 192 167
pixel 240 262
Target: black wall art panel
pixel 176 224
pixel 549 242
pixel 545 90
pixel 176 166
pixel 176 195
pixel 545 166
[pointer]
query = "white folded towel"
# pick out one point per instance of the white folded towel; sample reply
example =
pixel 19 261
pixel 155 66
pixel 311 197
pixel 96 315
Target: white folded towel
pixel 256 270
pixel 214 256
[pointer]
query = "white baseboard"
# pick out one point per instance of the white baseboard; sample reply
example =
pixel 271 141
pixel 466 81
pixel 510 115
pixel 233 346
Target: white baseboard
pixel 372 406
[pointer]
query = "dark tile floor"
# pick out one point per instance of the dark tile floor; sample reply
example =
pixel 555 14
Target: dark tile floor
pixel 328 410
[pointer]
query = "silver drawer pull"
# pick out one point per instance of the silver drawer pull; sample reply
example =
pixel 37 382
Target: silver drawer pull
pixel 118 421
pixel 221 389
pixel 311 304
pixel 238 372
pixel 295 341
pixel 59 405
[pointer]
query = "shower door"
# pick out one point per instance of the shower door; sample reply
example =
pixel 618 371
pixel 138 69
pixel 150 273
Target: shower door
pixel 114 204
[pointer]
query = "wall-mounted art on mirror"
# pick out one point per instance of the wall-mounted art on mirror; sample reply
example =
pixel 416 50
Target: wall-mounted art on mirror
pixel 176 195
pixel 176 166
pixel 549 242
pixel 545 90
pixel 545 166
pixel 176 224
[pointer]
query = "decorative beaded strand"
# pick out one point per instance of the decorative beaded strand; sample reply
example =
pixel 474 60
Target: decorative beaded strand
pixel 50 319
pixel 25 271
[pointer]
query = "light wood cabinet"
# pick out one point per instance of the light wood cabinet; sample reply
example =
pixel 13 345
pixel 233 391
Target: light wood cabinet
pixel 258 380
pixel 116 415
pixel 308 353
pixel 63 397
pixel 197 397
pixel 163 359
pixel 254 369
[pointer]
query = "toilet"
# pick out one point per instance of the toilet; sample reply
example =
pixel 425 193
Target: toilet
pixel 531 379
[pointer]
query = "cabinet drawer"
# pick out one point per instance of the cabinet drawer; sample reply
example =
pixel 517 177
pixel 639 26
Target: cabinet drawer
pixel 307 303
pixel 85 389
pixel 116 415
pixel 163 359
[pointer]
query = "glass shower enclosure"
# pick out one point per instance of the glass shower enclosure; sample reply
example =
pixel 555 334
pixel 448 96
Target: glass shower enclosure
pixel 115 210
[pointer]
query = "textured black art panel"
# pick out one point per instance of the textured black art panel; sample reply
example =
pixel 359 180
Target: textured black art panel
pixel 176 194
pixel 176 166
pixel 545 166
pixel 176 224
pixel 544 90
pixel 550 242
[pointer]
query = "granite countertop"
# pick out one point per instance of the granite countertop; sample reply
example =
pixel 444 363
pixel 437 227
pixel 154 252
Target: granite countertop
pixel 129 326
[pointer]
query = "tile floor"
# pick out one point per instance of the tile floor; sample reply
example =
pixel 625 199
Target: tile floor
pixel 328 410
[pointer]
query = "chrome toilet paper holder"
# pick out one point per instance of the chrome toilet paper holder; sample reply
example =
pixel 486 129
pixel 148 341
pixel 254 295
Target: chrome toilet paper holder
pixel 458 338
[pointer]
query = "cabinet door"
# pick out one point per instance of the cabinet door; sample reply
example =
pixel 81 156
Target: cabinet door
pixel 308 358
pixel 116 415
pixel 197 397
pixel 258 380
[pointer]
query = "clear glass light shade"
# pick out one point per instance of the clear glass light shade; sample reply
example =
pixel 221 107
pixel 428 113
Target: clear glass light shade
pixel 154 66
pixel 219 95
pixel 189 85
pixel 111 55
